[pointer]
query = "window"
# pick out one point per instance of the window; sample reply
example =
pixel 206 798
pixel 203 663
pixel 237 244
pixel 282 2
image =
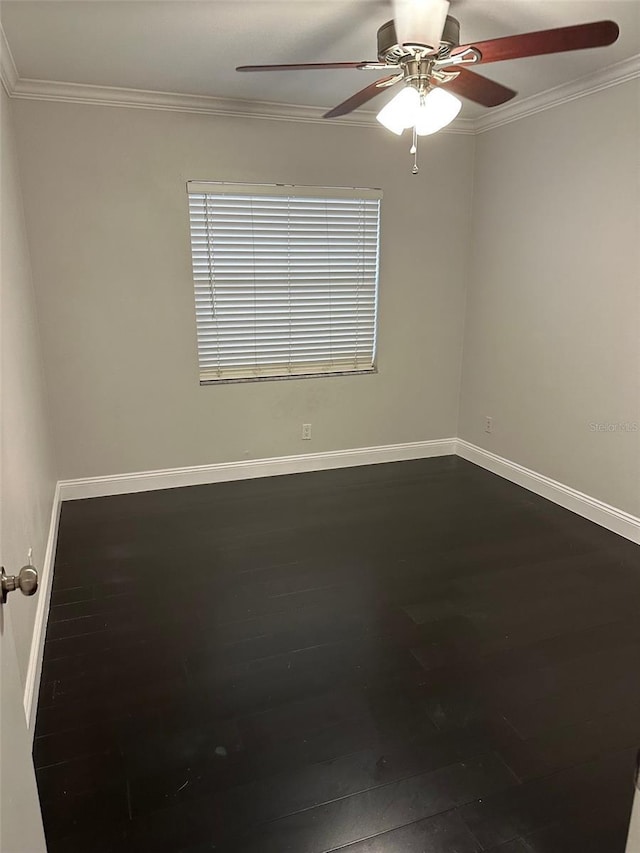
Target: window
pixel 285 280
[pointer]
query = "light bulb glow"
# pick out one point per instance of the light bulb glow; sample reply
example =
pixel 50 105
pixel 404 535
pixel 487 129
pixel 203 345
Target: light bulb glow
pixel 420 22
pixel 437 110
pixel 427 113
pixel 400 112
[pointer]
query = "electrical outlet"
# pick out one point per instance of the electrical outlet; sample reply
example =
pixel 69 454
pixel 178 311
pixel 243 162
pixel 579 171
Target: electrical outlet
pixel 306 432
pixel 488 424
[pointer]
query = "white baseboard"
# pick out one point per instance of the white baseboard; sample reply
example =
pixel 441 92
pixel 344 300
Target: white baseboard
pixel 34 668
pixel 605 515
pixel 608 516
pixel 221 472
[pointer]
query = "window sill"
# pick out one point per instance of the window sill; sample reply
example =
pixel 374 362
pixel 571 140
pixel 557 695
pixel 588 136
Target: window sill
pixel 288 377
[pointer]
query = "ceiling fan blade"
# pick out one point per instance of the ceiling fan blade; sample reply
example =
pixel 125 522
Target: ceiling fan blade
pixel 579 37
pixel 480 89
pixel 314 66
pixel 363 96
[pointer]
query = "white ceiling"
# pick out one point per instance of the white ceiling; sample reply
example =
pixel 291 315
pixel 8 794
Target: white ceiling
pixel 193 47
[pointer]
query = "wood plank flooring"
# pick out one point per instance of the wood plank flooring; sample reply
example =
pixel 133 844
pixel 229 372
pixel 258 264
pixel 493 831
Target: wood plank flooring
pixel 416 657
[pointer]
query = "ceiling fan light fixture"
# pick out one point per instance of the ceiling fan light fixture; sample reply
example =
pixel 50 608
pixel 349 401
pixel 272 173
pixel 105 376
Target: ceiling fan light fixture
pixel 427 113
pixel 401 110
pixel 420 22
pixel 437 109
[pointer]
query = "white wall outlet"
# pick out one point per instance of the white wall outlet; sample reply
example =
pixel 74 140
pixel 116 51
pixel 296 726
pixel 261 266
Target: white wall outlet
pixel 488 424
pixel 306 432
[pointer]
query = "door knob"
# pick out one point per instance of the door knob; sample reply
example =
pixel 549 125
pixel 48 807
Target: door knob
pixel 26 581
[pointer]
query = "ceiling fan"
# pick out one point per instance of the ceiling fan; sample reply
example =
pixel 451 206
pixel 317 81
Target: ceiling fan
pixel 421 48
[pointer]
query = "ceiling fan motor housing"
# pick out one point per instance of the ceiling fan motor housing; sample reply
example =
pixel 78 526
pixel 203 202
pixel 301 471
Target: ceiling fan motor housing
pixel 390 51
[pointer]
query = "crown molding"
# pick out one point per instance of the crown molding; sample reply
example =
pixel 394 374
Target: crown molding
pixel 8 70
pixel 612 75
pixel 81 93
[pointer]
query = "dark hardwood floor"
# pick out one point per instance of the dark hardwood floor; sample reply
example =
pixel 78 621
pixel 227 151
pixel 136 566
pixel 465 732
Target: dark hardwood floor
pixel 417 657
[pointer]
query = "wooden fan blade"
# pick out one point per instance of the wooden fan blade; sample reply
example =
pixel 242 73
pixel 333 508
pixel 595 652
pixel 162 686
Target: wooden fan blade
pixel 480 89
pixel 363 96
pixel 579 37
pixel 314 66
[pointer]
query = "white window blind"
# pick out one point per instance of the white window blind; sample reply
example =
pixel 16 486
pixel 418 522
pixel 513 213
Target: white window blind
pixel 285 279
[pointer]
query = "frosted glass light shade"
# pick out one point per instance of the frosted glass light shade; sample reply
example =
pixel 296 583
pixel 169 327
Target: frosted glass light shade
pixel 401 111
pixel 420 21
pixel 429 113
pixel 437 110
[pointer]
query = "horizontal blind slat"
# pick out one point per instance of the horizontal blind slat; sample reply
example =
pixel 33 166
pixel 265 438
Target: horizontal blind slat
pixel 284 283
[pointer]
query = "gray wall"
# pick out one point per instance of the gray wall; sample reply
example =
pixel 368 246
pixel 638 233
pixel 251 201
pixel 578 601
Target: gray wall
pixel 552 309
pixel 107 215
pixel 633 841
pixel 27 477
pixel 552 337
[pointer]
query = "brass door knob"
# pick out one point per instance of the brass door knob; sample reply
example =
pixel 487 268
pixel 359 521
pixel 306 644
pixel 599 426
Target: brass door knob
pixel 26 581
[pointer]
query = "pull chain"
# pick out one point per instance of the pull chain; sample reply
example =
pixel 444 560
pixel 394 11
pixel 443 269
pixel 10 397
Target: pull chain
pixel 414 150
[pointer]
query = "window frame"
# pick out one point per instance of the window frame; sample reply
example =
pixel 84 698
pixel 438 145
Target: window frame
pixel 218 188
